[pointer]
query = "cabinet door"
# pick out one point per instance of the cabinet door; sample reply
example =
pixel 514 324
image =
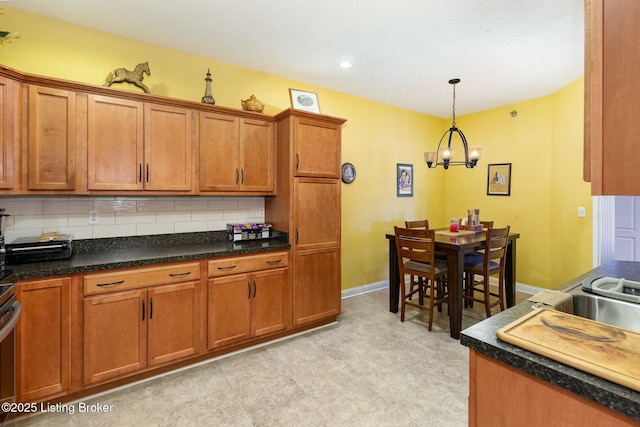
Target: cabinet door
pixel 43 339
pixel 7 135
pixel 115 143
pixel 270 302
pixel 316 285
pixel 229 306
pixel 168 148
pixel 611 94
pixel 317 213
pixel 317 147
pixel 51 139
pixel 173 322
pixel 257 156
pixel 219 135
pixel 115 335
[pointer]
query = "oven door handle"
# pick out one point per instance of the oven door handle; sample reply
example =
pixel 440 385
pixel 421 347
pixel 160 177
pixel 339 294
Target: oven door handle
pixel 6 330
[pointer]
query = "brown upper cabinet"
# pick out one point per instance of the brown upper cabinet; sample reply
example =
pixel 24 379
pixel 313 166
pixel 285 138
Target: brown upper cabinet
pixel 52 139
pixel 115 143
pixel 236 154
pixel 7 132
pixel 138 146
pixel 63 137
pixel 317 146
pixel 611 97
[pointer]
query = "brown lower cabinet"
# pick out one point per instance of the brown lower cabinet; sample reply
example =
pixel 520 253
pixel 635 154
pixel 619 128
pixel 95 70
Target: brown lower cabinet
pixel 43 345
pixel 128 331
pixel 244 306
pixel 316 285
pixel 501 395
pixel 84 331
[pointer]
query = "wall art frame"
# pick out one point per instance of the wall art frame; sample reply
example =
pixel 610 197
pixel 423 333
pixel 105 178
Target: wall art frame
pixel 304 100
pixel 404 180
pixel 499 179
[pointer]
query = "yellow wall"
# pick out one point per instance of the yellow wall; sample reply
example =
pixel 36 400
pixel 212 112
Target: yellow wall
pixel 555 244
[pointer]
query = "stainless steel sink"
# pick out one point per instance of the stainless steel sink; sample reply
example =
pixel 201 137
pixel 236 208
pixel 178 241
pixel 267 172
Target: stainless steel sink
pixel 614 312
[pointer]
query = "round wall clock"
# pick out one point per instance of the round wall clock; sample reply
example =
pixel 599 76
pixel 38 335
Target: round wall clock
pixel 348 173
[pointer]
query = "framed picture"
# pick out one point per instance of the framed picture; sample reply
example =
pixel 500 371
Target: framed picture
pixel 348 173
pixel 303 100
pixel 404 180
pixel 499 179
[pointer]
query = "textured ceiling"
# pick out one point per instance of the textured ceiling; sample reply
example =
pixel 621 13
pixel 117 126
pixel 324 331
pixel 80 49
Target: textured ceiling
pixel 404 51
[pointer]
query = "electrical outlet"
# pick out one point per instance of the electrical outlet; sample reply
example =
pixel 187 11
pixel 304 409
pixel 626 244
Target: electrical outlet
pixel 93 217
pixel 582 212
pixel 257 212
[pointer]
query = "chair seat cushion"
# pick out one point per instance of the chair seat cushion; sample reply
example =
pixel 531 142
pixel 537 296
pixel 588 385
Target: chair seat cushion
pixel 440 266
pixel 479 265
pixel 473 258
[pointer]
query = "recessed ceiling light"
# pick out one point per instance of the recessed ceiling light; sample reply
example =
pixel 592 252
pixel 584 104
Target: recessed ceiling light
pixel 346 64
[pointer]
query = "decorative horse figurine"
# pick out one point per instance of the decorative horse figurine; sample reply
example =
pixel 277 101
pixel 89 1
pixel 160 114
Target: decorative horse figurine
pixel 135 77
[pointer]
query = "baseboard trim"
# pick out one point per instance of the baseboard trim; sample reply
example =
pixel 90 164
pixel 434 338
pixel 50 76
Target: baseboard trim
pixel 376 286
pixel 364 289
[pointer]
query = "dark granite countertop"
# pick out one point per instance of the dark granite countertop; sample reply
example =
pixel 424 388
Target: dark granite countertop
pixel 120 252
pixel 482 338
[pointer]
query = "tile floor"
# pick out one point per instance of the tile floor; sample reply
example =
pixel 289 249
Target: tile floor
pixel 368 370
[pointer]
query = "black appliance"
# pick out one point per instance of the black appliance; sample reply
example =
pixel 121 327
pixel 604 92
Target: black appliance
pixel 3 271
pixel 31 249
pixel 9 314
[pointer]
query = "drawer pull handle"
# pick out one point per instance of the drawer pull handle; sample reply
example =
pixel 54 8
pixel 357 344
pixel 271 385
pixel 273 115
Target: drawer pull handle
pixel 297 161
pixel 255 289
pixel 275 261
pixel 150 308
pixel 227 268
pixel 249 289
pixel 179 274
pixel 142 310
pixel 111 284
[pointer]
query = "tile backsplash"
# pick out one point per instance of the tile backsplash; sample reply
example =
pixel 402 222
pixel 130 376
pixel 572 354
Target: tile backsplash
pixel 125 216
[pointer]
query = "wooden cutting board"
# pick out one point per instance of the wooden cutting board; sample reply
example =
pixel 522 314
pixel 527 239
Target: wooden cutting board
pixel 599 349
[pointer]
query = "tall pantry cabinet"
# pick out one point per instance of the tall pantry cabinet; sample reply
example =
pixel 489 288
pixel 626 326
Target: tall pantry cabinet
pixel 308 208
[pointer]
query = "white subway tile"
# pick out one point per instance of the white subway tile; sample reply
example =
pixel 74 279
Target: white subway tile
pixel 173 216
pixel 191 227
pixel 162 228
pixel 66 206
pixel 104 231
pixel 156 206
pixel 135 217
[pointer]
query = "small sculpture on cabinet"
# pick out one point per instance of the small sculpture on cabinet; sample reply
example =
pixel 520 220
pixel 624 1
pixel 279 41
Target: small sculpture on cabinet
pixel 208 96
pixel 252 104
pixel 134 77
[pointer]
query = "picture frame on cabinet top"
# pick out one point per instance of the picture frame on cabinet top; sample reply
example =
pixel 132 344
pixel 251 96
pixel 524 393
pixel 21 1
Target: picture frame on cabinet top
pixel 304 100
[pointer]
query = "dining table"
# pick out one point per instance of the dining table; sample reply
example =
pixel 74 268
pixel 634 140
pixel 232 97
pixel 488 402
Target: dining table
pixel 455 246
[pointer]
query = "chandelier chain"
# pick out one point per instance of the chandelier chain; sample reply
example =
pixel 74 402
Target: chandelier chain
pixel 454 105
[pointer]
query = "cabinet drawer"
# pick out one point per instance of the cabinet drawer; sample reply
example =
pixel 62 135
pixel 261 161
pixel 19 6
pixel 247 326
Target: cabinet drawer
pixel 222 267
pixel 139 278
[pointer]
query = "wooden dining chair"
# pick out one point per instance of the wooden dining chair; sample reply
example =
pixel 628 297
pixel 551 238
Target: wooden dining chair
pixel 416 257
pixel 420 223
pixel 490 264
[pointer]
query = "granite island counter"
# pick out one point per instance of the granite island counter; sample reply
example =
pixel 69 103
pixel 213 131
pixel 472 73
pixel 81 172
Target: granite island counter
pixel 621 403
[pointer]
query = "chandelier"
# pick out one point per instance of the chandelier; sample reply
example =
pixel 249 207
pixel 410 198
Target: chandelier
pixel 445 154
